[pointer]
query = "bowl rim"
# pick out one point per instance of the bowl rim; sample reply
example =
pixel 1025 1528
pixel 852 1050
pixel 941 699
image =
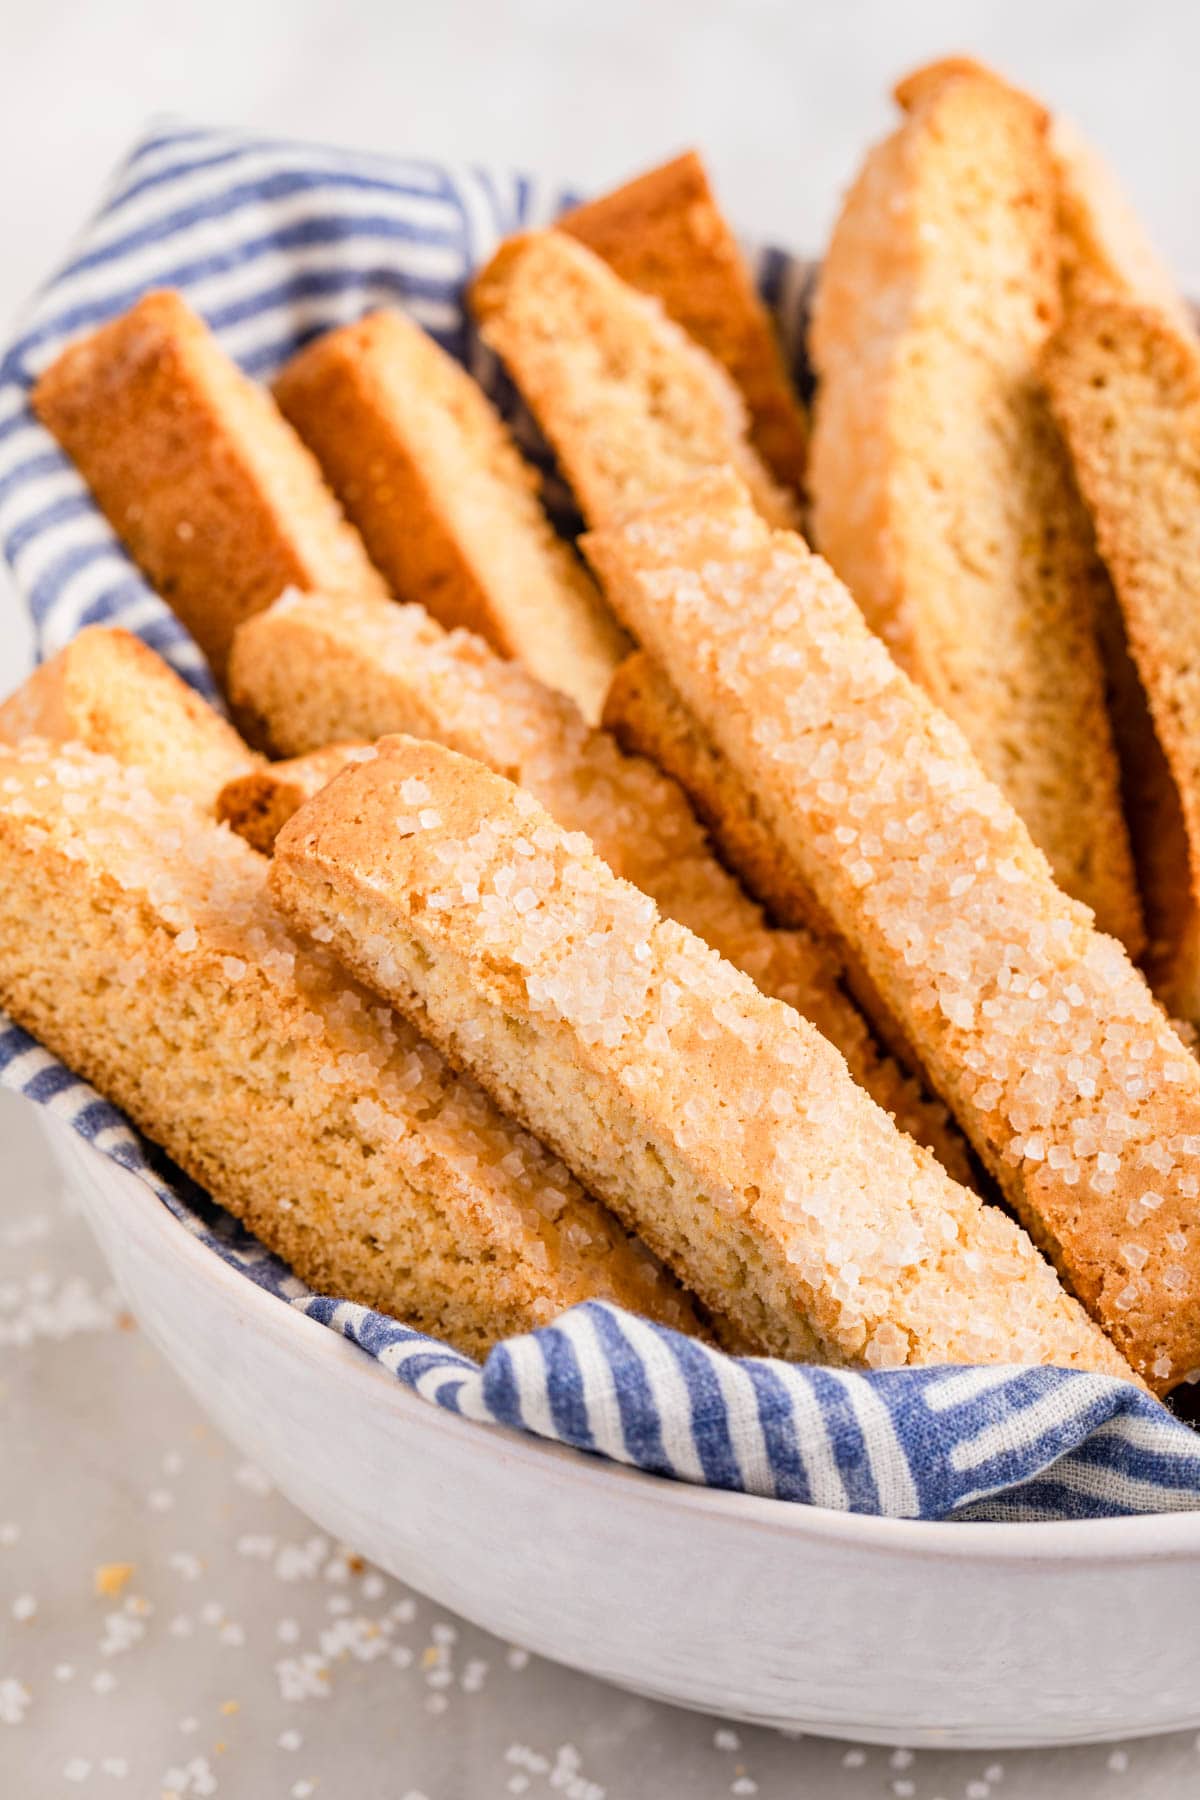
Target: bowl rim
pixel 1103 1542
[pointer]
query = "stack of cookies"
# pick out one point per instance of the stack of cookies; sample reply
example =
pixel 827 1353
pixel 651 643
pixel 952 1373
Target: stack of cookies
pixel 776 912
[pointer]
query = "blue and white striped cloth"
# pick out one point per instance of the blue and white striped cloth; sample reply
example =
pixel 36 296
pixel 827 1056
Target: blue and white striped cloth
pixel 274 242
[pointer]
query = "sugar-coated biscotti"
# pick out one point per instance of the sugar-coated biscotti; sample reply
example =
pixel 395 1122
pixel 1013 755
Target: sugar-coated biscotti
pixel 258 803
pixel 311 671
pixel 941 491
pixel 629 403
pixel 111 693
pixel 716 1120
pixel 199 475
pixel 1125 385
pixel 138 942
pixel 1060 1065
pixel 664 233
pixel 447 505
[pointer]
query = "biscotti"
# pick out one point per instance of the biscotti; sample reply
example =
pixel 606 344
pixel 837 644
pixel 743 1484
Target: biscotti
pixel 942 494
pixel 111 693
pixel 447 505
pixel 138 942
pixel 200 476
pixel 665 234
pixel 1060 1065
pixel 311 671
pixel 1125 385
pixel 629 403
pixel 258 803
pixel 716 1120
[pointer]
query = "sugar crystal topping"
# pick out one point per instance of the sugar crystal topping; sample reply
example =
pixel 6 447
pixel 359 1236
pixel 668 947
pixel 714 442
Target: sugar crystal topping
pixel 1052 1042
pixel 888 1258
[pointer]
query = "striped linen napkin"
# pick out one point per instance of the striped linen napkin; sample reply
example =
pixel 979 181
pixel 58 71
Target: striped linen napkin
pixel 272 242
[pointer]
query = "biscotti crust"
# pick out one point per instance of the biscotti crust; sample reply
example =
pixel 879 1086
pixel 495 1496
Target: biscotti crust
pixel 205 483
pixel 718 1118
pixel 310 669
pixel 665 234
pixel 138 942
pixel 111 693
pixel 942 494
pixel 1034 1027
pixel 629 403
pixel 446 504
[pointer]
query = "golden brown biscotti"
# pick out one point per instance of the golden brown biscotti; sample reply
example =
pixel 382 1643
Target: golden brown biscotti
pixel 199 475
pixel 1035 1028
pixel 447 506
pixel 665 234
pixel 111 693
pixel 629 403
pixel 718 1120
pixel 942 494
pixel 312 670
pixel 259 803
pixel 1125 384
pixel 138 942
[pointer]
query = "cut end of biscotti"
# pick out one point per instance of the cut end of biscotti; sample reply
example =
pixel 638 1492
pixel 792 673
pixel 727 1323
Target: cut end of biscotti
pixel 664 233
pixel 965 541
pixel 447 505
pixel 198 473
pixel 1124 382
pixel 631 405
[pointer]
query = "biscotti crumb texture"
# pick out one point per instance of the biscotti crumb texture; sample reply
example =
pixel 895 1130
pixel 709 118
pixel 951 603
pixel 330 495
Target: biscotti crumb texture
pixel 629 403
pixel 1048 1045
pixel 447 506
pixel 199 475
pixel 137 941
pixel 111 693
pixel 1125 384
pixel 665 234
pixel 311 669
pixel 942 494
pixel 716 1118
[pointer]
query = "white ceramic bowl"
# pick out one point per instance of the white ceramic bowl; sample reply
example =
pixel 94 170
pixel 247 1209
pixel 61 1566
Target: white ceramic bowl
pixel 893 1632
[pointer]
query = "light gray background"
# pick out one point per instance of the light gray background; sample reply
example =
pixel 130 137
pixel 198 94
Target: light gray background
pixel 101 1456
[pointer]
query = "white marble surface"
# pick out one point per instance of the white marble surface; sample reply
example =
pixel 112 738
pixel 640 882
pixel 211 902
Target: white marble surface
pixel 104 1459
